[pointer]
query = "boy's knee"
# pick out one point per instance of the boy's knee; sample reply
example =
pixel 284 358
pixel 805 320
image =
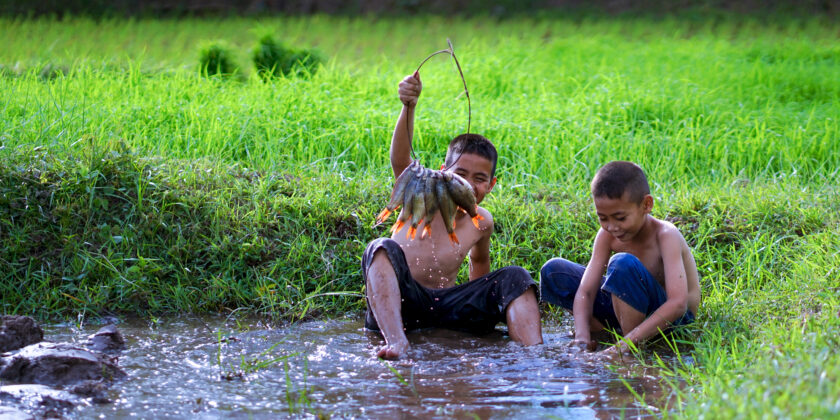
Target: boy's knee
pixel 555 266
pixel 517 273
pixel 380 257
pixel 516 278
pixel 379 244
pixel 376 247
pixel 560 274
pixel 377 257
pixel 623 261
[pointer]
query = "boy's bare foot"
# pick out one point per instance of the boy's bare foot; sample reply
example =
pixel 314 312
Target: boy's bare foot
pixel 393 351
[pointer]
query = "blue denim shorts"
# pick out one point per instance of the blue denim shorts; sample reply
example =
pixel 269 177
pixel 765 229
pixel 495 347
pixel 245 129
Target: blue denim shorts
pixel 626 278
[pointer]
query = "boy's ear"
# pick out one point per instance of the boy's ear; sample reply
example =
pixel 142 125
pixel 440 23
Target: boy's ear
pixel 492 184
pixel 647 203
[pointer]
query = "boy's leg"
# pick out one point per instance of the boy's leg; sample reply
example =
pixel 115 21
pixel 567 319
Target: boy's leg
pixel 523 319
pixel 628 317
pixel 395 301
pixel 505 295
pixel 635 293
pixel 383 295
pixel 559 281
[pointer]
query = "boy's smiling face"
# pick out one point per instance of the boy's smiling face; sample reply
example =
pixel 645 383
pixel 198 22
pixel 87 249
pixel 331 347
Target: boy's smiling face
pixel 621 217
pixel 476 170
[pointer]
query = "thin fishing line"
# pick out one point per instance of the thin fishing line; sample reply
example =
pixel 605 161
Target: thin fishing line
pixel 410 115
pixel 467 94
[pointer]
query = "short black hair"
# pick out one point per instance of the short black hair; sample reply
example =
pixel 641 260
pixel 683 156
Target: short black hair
pixel 618 177
pixel 471 143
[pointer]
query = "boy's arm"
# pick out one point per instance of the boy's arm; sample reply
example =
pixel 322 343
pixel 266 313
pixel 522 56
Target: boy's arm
pixel 588 289
pixel 480 252
pixel 409 91
pixel 676 289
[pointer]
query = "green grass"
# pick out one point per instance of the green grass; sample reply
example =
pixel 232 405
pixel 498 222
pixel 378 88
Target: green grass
pixel 131 184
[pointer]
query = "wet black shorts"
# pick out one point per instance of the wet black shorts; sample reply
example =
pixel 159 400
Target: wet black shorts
pixel 476 306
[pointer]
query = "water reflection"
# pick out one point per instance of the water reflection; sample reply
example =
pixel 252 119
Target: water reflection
pixel 178 369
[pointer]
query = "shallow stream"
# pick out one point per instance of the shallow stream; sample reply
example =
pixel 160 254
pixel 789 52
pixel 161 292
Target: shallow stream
pixel 178 368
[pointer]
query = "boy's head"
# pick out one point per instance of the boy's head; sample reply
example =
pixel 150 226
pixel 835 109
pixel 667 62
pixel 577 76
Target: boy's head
pixel 471 143
pixel 619 177
pixel 622 199
pixel 473 157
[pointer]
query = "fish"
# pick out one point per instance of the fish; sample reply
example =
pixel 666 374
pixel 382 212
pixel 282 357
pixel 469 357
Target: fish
pixel 446 206
pixel 422 192
pixel 418 202
pixel 431 202
pixel 398 193
pixel 407 203
pixel 462 194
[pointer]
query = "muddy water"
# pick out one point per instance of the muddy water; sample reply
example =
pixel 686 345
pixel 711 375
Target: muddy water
pixel 177 368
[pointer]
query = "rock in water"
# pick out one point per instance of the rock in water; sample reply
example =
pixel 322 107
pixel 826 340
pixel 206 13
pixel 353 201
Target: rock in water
pixel 58 365
pixel 18 331
pixel 108 339
pixel 42 400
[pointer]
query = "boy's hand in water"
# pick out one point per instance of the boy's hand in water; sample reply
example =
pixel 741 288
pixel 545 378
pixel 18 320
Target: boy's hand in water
pixel 393 351
pixel 617 354
pixel 410 88
pixel 582 345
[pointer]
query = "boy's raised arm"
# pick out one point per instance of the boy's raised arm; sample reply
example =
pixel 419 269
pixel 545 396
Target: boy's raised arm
pixel 409 91
pixel 588 289
pixel 676 289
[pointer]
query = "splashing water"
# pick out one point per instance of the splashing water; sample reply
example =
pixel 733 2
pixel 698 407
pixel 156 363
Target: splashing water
pixel 178 368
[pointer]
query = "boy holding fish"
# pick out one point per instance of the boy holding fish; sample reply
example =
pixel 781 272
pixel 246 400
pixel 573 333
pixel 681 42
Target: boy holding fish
pixel 649 284
pixel 410 279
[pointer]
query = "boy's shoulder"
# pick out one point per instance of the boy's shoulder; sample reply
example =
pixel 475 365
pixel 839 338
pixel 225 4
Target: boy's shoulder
pixel 666 231
pixel 664 226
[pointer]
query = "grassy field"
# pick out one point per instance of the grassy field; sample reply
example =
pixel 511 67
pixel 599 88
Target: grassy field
pixel 130 185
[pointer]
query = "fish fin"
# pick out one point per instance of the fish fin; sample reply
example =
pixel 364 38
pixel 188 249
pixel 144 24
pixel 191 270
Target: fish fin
pixel 454 238
pixel 383 215
pixel 411 232
pixel 477 217
pixel 427 230
pixel 397 226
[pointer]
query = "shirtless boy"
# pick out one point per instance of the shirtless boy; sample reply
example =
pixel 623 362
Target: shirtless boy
pixel 651 281
pixel 410 284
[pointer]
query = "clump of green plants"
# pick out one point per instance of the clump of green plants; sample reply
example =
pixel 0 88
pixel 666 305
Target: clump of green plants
pixel 50 71
pixel 217 58
pixel 273 59
pixel 43 72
